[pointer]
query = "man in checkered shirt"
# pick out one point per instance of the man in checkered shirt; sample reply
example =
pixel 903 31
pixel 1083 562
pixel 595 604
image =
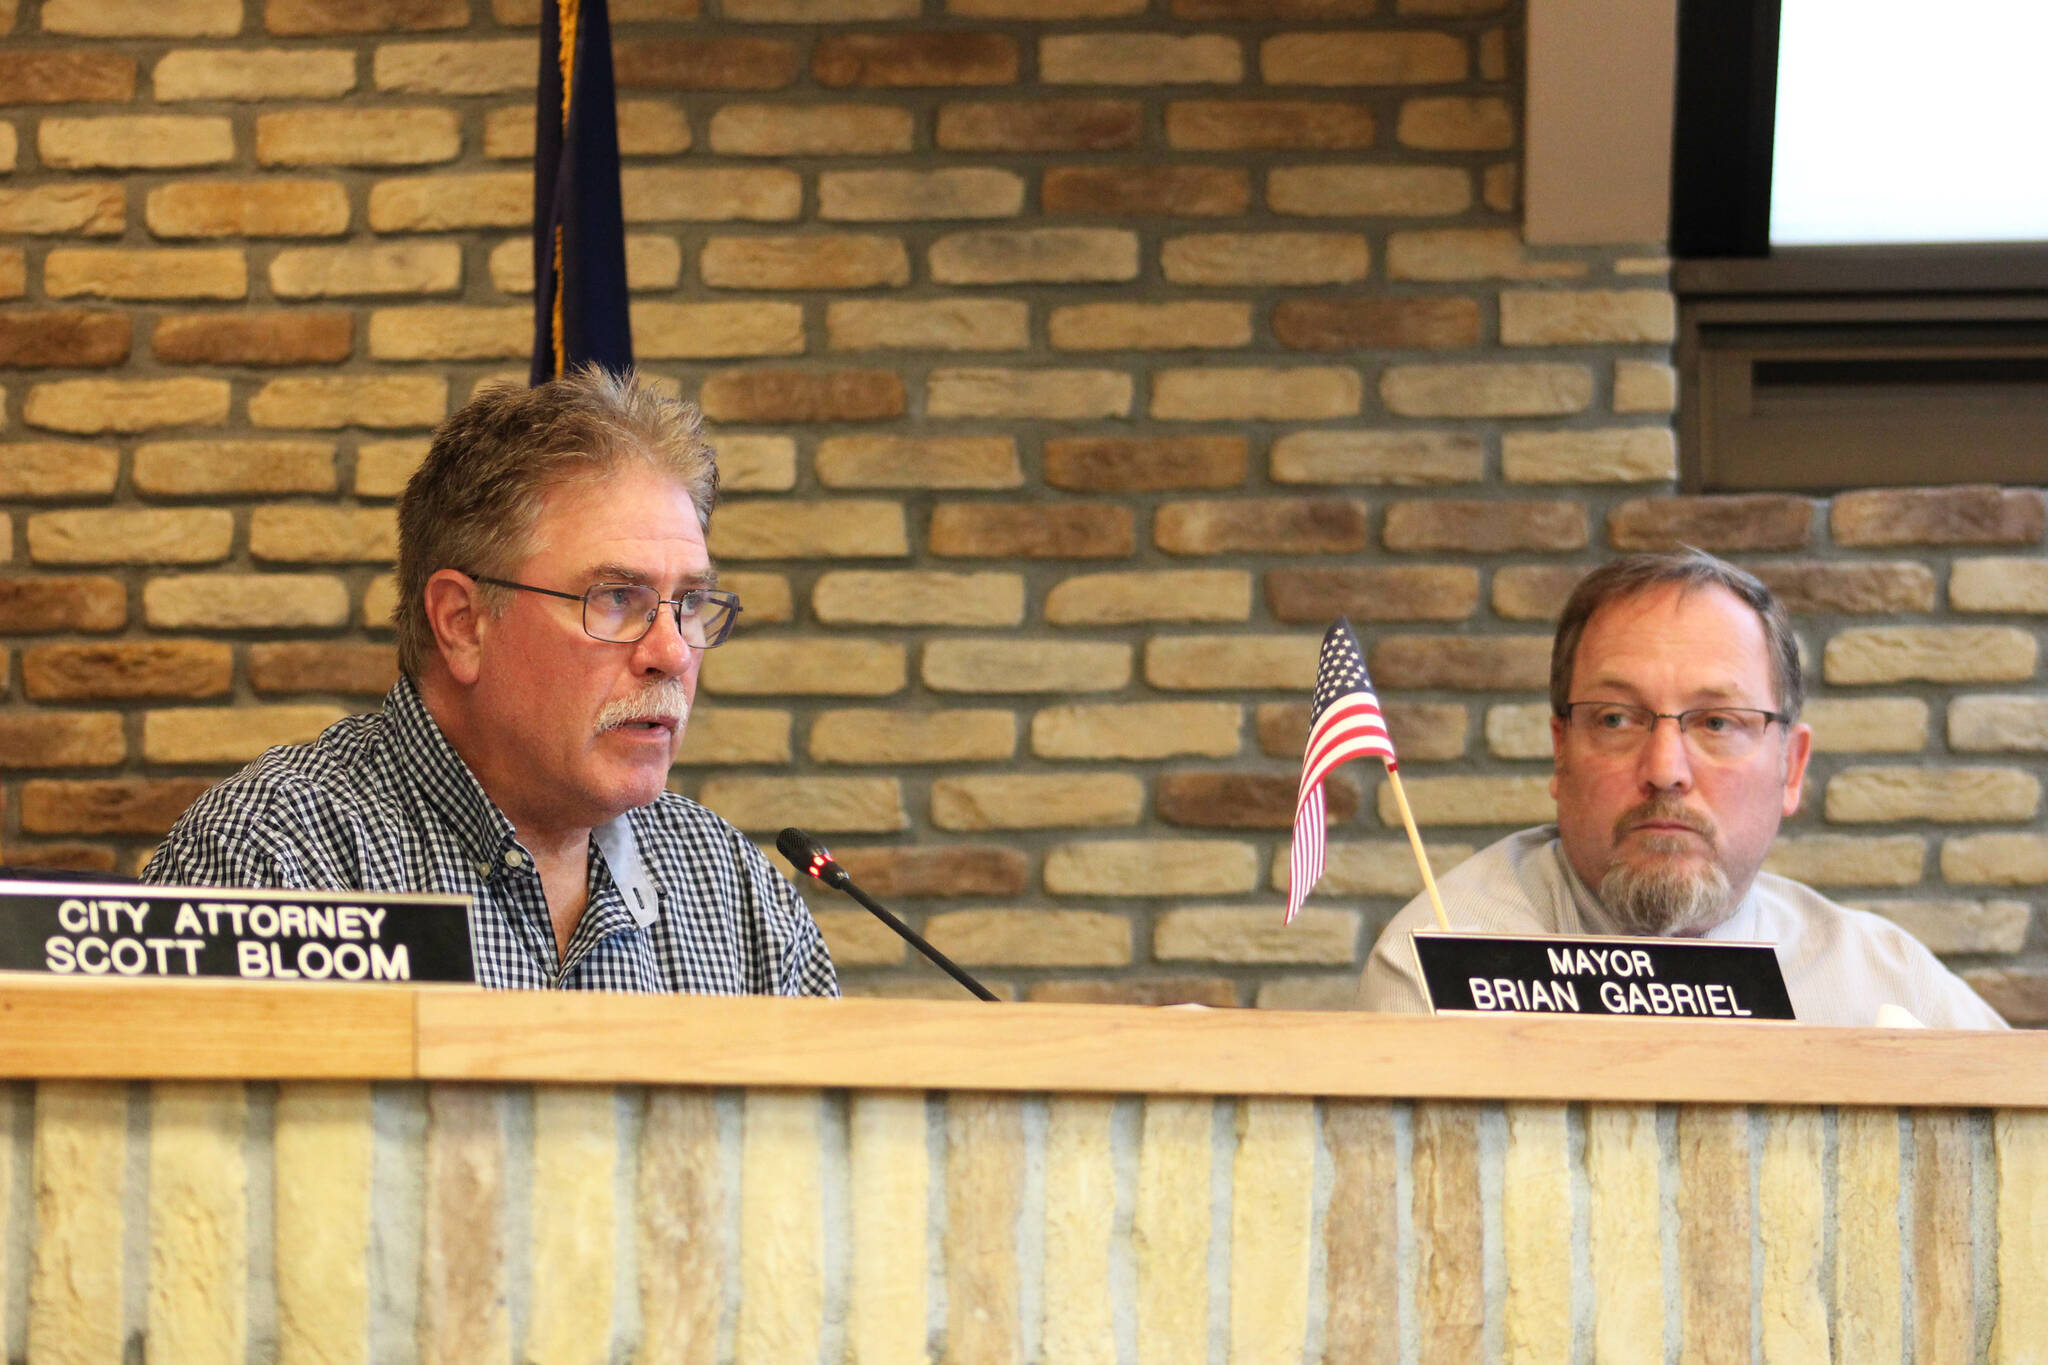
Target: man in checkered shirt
pixel 555 601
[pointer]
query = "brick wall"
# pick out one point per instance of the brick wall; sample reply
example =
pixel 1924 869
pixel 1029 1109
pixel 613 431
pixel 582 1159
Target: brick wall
pixel 1073 361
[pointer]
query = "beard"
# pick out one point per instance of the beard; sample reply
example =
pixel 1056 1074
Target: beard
pixel 1669 894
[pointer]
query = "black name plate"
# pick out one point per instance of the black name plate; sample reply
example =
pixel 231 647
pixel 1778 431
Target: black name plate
pixel 1668 978
pixel 88 929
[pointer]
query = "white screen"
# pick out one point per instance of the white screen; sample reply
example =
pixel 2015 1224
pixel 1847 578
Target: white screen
pixel 1904 122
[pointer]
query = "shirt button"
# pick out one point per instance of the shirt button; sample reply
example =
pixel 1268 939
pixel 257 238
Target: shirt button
pixel 514 858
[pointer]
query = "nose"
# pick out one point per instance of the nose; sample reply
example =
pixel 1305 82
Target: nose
pixel 663 652
pixel 1663 763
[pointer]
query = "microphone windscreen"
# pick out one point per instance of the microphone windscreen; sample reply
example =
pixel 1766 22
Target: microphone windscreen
pixel 805 854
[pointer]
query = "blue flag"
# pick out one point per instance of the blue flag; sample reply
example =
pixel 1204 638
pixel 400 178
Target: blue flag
pixel 579 232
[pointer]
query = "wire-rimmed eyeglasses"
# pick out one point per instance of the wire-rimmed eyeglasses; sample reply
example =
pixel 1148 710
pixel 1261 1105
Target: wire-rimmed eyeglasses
pixel 623 613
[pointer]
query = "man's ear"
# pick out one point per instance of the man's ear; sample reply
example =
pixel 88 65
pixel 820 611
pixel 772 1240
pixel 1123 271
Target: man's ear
pixel 1798 748
pixel 456 615
pixel 1556 752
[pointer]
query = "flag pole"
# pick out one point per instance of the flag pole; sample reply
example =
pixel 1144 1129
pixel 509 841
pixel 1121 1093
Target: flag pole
pixel 1415 842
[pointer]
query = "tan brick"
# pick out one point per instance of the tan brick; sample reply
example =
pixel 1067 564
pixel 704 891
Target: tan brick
pixel 1037 801
pixel 1613 455
pixel 1530 317
pixel 948 870
pixel 1140 59
pixel 816 130
pixel 1384 58
pixel 830 805
pixel 724 735
pixel 13 272
pixel 918 462
pixel 51 603
pixel 652 262
pixel 94 405
pixel 1040 125
pixel 125 669
pixel 1297 258
pixel 441 202
pixel 245 601
pixel 1756 521
pixel 229 734
pixel 1999 584
pixel 1298 393
pixel 1493 526
pixel 1422 731
pixel 1035 256
pixel 802 396
pixel 810 529
pixel 1958 926
pixel 306 17
pixel 1213 991
pixel 1010 531
pixel 1492 663
pixel 1321 992
pixel 71 857
pixel 895 196
pixel 366 670
pixel 1890 654
pixel 143 18
pixel 1119 464
pixel 1485 390
pixel 748 464
pixel 1874 725
pixel 1471 801
pixel 1995 859
pixel 1419 593
pixel 1939 795
pixel 259 208
pixel 1261 526
pixel 1277 125
pixel 832 668
pixel 1237 11
pixel 716 331
pixel 1645 386
pixel 93 209
pixel 1138 730
pixel 268 74
pixel 324 535
pixel 56 469
pixel 1226 663
pixel 1849 859
pixel 65 76
pixel 451 332
pixel 1025 666
pixel 1805 586
pixel 1217 933
pixel 129 805
pixel 61 739
pixel 178 469
pixel 491 67
pixel 1980 515
pixel 134 142
pixel 904 61
pixel 646 128
pixel 1152 867
pixel 380 600
pixel 1145 192
pixel 928 324
pixel 134 273
pixel 704 63
pixel 1998 724
pixel 1060 395
pixel 392 268
pixel 358 137
pixel 295 337
pixel 1223 800
pixel 1150 326
pixel 919 598
pixel 836 261
pixel 1534 592
pixel 1519 731
pixel 1173 595
pixel 1369 191
pixel 856 938
pixel 1317 324
pixel 1378 457
pixel 1500 187
pixel 956 736
pixel 1456 123
pixel 1031 938
pixel 367 400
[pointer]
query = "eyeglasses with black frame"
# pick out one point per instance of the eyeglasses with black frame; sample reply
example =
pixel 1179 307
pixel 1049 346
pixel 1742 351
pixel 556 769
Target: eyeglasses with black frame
pixel 623 613
pixel 1716 732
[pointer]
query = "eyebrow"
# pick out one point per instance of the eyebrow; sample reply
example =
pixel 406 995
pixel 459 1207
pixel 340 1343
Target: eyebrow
pixel 622 573
pixel 1719 695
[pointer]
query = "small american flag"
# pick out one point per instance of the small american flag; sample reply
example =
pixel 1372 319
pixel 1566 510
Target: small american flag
pixel 1344 723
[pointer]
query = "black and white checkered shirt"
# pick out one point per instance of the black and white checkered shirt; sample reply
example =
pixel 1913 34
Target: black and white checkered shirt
pixel 679 899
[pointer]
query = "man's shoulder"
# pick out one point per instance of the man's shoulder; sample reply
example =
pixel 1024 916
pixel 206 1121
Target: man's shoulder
pixel 336 768
pixel 676 831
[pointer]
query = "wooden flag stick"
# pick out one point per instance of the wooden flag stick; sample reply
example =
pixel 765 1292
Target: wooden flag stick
pixel 1415 842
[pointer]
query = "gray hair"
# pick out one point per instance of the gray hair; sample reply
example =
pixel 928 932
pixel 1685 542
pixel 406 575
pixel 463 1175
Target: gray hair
pixel 1691 570
pixel 474 500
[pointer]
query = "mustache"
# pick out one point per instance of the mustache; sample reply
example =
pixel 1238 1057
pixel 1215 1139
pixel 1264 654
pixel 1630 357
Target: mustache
pixel 665 700
pixel 1666 810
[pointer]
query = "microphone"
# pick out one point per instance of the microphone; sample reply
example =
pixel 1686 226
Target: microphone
pixel 812 858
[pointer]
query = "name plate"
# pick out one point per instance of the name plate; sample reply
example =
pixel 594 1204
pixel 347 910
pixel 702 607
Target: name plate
pixel 102 930
pixel 1666 978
